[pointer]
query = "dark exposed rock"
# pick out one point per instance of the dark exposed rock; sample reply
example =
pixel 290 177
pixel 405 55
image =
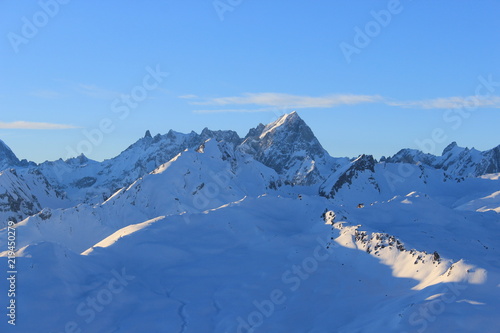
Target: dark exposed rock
pixel 288 146
pixel 85 182
pixel 361 164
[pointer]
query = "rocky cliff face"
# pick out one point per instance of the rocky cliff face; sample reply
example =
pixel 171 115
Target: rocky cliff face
pixel 288 146
pixel 364 164
pixel 25 195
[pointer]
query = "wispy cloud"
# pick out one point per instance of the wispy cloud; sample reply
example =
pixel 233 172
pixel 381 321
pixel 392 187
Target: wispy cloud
pixel 264 102
pixel 450 102
pixel 46 94
pixel 34 125
pixel 271 101
pixel 188 96
pixel 94 91
pixel 237 110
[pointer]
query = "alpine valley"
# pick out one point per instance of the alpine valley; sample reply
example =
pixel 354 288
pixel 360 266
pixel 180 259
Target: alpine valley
pixel 212 232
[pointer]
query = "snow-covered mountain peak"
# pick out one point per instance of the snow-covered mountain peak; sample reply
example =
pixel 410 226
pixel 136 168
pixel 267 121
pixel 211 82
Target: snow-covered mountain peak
pixel 285 121
pixel 220 135
pixel 79 160
pixel 7 157
pixel 361 167
pixel 364 161
pixel 457 162
pixel 288 146
pixel 451 147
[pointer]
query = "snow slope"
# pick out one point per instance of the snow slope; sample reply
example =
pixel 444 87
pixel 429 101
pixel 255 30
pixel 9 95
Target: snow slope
pixel 268 261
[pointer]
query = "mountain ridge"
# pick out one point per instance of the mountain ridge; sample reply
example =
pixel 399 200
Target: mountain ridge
pixel 286 122
pixel 288 146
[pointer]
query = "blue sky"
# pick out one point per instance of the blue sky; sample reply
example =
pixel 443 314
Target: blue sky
pixel 367 76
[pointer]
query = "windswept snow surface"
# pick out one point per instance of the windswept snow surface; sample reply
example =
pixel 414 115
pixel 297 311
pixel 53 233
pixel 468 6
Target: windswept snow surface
pixel 260 234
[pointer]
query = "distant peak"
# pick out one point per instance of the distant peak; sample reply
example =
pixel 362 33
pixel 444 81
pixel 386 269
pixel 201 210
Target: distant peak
pixel 80 159
pixel 365 159
pixel 206 132
pixel 255 131
pixel 450 147
pixel 7 156
pixel 148 134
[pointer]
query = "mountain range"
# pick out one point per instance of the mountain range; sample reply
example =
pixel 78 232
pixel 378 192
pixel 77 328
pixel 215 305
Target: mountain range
pixel 261 233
